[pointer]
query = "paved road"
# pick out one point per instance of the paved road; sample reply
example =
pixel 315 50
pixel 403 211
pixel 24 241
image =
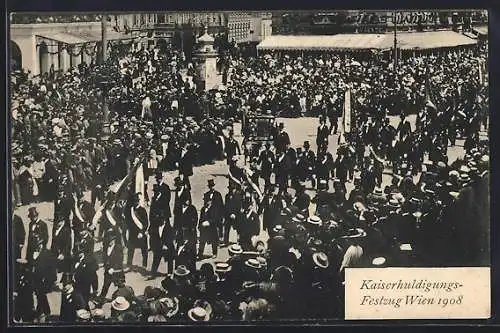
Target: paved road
pixel 299 129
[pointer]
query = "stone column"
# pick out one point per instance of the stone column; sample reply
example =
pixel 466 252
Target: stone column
pixel 65 59
pixel 53 55
pixel 76 59
pixel 86 57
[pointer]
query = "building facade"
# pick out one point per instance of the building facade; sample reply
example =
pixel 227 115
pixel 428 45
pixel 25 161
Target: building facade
pixel 61 42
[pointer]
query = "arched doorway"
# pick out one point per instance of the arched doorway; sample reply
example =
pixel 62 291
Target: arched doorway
pixel 44 57
pixel 16 57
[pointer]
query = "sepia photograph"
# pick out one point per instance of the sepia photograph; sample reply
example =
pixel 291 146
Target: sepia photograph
pixel 231 166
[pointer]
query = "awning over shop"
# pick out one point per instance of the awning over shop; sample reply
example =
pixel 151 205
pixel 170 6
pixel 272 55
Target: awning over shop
pixel 406 41
pixel 81 37
pixel 325 42
pixel 432 40
pixel 481 30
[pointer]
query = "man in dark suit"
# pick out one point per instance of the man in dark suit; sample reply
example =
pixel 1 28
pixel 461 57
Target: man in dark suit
pixel 162 244
pixel 302 200
pixel 113 261
pixel 19 235
pixel 232 148
pixel 309 163
pixel 156 211
pixel 186 244
pixel 71 301
pixel 186 164
pixel 217 207
pixel 341 165
pixel 208 229
pixel 324 164
pixel 266 161
pixel 322 133
pixel 404 127
pixel 250 224
pixel 83 212
pixel 63 206
pixel 233 201
pixel 270 207
pixel 44 276
pixel 368 179
pixel 282 140
pixel 182 193
pixel 138 224
pixel 62 246
pixel 50 180
pixel 164 196
pixel 333 113
pixel 37 231
pixel 282 169
pixel 85 268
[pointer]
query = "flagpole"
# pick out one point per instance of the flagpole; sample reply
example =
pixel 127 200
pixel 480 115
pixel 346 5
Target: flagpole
pixel 395 55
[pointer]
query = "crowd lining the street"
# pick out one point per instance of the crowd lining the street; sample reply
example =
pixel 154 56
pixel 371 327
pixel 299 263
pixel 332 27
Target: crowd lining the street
pixel 434 213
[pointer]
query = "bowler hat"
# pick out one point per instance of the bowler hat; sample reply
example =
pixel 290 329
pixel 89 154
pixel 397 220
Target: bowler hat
pixel 211 183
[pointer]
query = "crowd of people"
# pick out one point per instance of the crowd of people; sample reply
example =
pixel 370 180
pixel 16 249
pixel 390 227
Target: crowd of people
pixel 434 212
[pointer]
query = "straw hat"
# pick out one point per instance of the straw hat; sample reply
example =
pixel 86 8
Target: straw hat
pixel 315 220
pixel 405 247
pixel 222 267
pixel 359 206
pixel 198 314
pixel 235 249
pixel 83 314
pixel 321 259
pixel 379 261
pixel 120 304
pixel 252 263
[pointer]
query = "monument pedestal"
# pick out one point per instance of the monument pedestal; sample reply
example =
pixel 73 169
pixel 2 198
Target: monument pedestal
pixel 205 59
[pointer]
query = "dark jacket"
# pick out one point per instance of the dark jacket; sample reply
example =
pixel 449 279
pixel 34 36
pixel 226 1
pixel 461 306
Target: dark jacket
pixel 70 304
pixel 36 230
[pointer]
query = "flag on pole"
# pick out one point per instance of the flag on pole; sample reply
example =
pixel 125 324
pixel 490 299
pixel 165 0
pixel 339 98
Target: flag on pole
pixel 139 183
pixel 480 70
pixel 347 111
